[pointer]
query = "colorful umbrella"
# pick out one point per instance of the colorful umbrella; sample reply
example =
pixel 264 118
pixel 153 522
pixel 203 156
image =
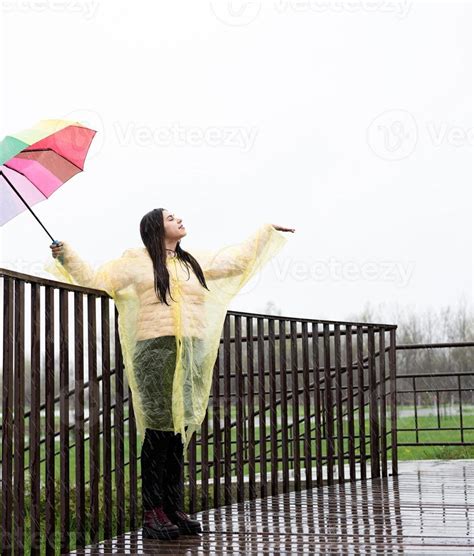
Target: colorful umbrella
pixel 35 162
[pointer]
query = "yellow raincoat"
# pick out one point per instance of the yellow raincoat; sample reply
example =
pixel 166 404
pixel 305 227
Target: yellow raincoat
pixel 194 321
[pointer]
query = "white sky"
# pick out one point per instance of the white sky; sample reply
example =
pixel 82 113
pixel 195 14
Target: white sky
pixel 351 124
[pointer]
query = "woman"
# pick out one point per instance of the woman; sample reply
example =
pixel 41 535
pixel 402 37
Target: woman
pixel 172 307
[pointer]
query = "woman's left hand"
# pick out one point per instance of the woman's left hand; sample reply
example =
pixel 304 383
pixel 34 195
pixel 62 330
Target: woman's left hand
pixel 282 228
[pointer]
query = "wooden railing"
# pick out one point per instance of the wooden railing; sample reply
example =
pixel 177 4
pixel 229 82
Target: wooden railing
pixel 295 403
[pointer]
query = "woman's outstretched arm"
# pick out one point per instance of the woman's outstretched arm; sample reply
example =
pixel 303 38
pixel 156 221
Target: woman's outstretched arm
pixel 247 256
pixel 68 266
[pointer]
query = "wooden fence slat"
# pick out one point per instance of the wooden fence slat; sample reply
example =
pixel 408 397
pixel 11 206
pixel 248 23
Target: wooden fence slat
pixel 64 479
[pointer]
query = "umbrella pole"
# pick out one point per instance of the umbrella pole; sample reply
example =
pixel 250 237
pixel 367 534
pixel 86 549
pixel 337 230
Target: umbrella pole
pixel 27 206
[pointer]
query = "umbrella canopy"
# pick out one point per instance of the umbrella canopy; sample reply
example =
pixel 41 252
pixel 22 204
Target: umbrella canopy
pixel 35 162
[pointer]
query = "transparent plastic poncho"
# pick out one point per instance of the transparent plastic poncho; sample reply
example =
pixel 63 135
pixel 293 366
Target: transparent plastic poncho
pixel 195 318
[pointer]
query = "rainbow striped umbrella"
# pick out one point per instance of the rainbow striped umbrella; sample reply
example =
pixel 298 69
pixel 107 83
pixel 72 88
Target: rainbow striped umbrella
pixel 35 162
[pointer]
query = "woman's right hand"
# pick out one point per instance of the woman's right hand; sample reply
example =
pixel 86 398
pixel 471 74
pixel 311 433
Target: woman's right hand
pixel 57 249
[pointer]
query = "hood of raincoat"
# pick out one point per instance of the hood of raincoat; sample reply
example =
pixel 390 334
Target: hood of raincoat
pixel 194 319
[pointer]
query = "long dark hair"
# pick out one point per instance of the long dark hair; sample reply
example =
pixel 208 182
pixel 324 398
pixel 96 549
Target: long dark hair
pixel 152 230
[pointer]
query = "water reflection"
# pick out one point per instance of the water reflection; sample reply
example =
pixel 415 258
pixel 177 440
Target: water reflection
pixel 427 509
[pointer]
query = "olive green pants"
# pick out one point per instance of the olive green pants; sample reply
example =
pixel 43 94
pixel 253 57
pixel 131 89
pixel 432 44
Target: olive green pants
pixel 154 365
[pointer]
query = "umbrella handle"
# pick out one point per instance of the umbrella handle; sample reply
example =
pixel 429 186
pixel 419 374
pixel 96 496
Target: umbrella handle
pixel 60 258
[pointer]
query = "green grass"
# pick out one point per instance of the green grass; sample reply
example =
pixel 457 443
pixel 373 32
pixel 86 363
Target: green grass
pixel 435 452
pixel 404 452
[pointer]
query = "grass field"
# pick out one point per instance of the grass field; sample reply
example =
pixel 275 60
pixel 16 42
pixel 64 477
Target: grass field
pixel 404 452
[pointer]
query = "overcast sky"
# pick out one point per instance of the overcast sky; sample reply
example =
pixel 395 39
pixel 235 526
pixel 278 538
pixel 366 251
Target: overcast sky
pixel 351 123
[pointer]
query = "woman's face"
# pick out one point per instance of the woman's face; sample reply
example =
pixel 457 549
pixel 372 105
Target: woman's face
pixel 174 228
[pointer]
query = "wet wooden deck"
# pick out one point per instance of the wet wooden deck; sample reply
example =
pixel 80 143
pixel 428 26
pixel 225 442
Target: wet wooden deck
pixel 427 509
